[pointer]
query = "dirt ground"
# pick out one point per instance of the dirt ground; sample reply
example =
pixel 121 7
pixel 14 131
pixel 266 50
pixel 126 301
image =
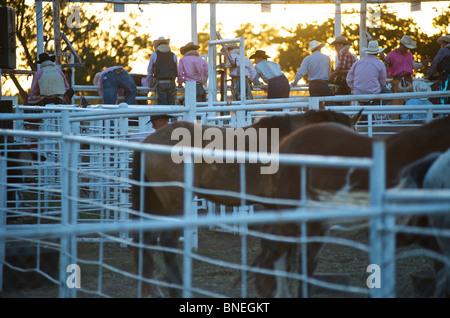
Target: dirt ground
pixel 343 263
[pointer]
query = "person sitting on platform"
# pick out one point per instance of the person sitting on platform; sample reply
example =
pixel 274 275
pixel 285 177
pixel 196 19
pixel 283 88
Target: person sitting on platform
pixel 49 84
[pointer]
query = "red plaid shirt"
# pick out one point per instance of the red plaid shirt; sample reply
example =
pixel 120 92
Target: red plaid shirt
pixel 346 60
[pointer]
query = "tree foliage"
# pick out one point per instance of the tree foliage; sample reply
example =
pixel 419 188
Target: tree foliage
pixel 98 47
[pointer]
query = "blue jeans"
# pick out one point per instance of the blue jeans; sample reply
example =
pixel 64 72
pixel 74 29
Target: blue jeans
pixel 113 81
pixel 167 93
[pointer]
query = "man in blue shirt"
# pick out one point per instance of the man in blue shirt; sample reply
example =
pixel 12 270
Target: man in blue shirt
pixel 318 67
pixel 270 72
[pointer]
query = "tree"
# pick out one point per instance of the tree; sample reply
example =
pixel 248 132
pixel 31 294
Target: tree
pixel 98 47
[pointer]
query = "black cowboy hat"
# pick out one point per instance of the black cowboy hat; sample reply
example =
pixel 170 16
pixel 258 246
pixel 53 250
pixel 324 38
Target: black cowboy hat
pixel 45 57
pixel 189 47
pixel 259 53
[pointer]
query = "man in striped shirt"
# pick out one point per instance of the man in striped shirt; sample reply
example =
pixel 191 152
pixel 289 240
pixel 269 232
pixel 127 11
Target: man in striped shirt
pixel 270 72
pixel 344 62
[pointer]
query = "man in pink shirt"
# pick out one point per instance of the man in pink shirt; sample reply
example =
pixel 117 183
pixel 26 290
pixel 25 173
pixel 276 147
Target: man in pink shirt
pixel 192 67
pixel 401 65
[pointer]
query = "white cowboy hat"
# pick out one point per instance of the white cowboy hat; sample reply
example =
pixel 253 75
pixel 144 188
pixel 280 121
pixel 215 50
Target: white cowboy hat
pixel 421 86
pixel 314 45
pixel 407 41
pixel 160 40
pixel 373 48
pixel 445 38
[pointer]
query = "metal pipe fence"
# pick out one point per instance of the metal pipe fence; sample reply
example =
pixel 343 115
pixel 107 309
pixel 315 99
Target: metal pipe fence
pixel 82 195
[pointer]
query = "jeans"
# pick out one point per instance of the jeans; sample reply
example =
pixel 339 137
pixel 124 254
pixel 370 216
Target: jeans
pixel 113 81
pixel 278 87
pixel 167 93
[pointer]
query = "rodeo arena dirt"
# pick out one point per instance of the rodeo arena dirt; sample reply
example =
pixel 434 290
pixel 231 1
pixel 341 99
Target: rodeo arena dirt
pixel 315 197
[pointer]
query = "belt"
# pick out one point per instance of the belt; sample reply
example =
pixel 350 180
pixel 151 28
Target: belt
pixel 166 80
pixel 319 81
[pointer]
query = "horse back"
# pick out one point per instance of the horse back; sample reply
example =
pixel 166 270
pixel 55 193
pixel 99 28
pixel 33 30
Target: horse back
pixel 326 139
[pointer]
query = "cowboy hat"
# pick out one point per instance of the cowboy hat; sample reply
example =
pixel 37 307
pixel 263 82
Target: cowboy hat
pixel 421 86
pixel 261 54
pixel 189 47
pixel 445 39
pixel 45 57
pixel 373 48
pixel 340 39
pixel 160 40
pixel 314 45
pixel 407 41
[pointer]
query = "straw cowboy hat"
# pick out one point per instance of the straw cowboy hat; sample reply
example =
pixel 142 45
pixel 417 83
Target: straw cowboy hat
pixel 160 40
pixel 45 57
pixel 340 39
pixel 421 86
pixel 443 39
pixel 261 54
pixel 314 45
pixel 373 48
pixel 189 47
pixel 407 41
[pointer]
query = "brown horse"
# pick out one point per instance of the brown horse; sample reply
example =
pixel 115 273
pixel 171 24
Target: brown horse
pixel 168 200
pixel 331 139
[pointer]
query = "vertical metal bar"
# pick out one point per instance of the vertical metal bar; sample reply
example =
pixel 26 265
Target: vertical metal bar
pixel 243 231
pixel 304 260
pixel 188 197
pixel 74 163
pixel 242 69
pixel 190 101
pixel 212 76
pixel 382 239
pixel 194 22
pixel 314 103
pixel 303 185
pixel 3 211
pixel 65 242
pixel 123 173
pixel 39 29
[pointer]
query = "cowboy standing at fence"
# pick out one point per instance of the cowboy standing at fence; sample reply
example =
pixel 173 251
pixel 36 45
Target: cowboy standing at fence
pixel 250 73
pixel 441 65
pixel 193 68
pixel 49 84
pixel 318 67
pixel 401 65
pixel 344 62
pixel 161 73
pixel 113 82
pixel 368 75
pixel 270 72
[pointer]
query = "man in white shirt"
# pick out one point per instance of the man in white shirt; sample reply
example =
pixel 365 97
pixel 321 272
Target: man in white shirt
pixel 318 67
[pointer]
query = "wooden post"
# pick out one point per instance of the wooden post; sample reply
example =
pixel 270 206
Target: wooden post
pixel 57 31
